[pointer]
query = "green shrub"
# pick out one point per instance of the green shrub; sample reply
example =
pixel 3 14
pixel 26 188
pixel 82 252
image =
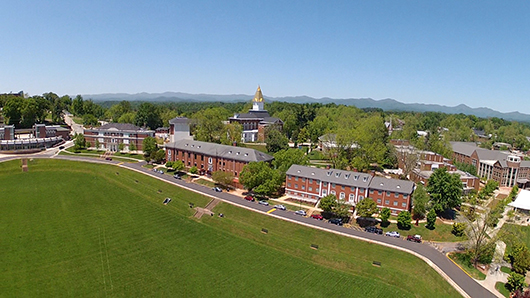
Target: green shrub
pixel 458 229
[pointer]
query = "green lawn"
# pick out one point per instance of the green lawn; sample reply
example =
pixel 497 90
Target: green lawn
pixel 440 233
pixel 259 147
pixel 502 289
pixel 466 266
pixel 505 269
pixel 80 229
pixel 521 232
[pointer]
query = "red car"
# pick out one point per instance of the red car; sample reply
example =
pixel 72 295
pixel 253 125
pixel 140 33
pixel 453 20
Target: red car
pixel 414 238
pixel 249 198
pixel 317 216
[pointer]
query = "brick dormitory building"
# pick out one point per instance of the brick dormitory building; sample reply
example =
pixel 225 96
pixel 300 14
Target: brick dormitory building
pixel 212 157
pixel 311 184
pixel 111 135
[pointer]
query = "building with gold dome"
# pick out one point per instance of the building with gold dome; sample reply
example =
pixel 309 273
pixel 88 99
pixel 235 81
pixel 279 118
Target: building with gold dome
pixel 256 120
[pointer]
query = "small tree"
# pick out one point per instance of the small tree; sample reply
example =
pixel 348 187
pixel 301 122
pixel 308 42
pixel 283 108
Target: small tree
pixel 404 220
pixel 97 144
pixel 194 170
pixel 121 146
pixel 79 142
pixel 328 203
pixel 178 165
pixel 149 146
pixel 431 219
pixel 515 282
pixel 458 229
pixel 132 147
pixel 385 214
pixel 420 198
pixel 224 178
pixel 520 258
pixel 366 207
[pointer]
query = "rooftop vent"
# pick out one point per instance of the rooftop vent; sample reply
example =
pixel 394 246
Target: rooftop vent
pixel 313 173
pixel 298 171
pixel 398 186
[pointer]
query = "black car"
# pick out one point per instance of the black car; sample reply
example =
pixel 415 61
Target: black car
pixel 336 221
pixel 372 229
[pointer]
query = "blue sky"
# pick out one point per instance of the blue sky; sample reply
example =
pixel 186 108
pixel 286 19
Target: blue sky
pixel 440 52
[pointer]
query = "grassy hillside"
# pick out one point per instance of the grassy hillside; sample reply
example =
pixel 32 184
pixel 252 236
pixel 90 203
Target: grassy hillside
pixel 78 229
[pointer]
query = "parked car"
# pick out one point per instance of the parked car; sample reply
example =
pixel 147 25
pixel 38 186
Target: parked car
pixel 336 221
pixel 108 158
pixel 414 238
pixel 317 216
pixel 372 229
pixel 264 203
pixel 177 176
pixel 280 207
pixel 393 234
pixel 249 198
pixel 217 189
pixel 300 212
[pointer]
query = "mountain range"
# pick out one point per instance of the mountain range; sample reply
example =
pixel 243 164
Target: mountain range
pixel 384 104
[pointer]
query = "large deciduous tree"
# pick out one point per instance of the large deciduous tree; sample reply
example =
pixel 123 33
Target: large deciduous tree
pixel 285 158
pixel 149 146
pixel 445 190
pixel 366 207
pixel 148 115
pixel 207 125
pixel 224 178
pixel 420 198
pixel 328 203
pixel 404 220
pixel 259 178
pixel 275 140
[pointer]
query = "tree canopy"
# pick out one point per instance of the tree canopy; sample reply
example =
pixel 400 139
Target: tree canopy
pixel 445 190
pixel 366 207
pixel 259 178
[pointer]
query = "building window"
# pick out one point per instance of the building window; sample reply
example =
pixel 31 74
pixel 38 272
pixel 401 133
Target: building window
pixel 395 203
pixel 296 186
pixel 333 185
pixel 303 187
pixel 310 180
pixel 405 196
pixel 404 205
pixel 380 192
pixel 342 196
pixel 396 195
pixel 378 201
pixel 371 191
pixel 351 197
pixel 324 192
pixel 387 202
pixel 342 187
pixel 296 178
pixel 310 188
pixel 289 184
pixel 303 179
pixel 333 192
pixel 388 193
pixel 325 184
pixel 361 197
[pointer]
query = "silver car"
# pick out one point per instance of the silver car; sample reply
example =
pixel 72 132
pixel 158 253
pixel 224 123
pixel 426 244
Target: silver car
pixel 280 207
pixel 264 203
pixel 300 212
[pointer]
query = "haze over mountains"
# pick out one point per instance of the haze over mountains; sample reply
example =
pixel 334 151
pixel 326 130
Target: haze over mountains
pixel 384 104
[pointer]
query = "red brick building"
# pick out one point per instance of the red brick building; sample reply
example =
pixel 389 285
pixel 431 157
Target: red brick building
pixel 504 167
pixel 311 184
pixel 111 135
pixel 211 157
pixel 256 120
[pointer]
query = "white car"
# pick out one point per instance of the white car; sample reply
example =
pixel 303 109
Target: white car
pixel 393 234
pixel 264 203
pixel 300 212
pixel 280 207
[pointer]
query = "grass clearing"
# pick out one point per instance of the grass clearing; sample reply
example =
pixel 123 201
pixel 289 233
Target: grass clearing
pixel 521 232
pixel 506 270
pixel 467 266
pixel 499 286
pixel 80 229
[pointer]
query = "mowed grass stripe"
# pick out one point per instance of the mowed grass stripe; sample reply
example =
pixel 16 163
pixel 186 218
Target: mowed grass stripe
pixel 77 229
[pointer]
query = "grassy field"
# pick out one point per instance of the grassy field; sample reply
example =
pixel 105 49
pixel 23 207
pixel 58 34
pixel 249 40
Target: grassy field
pixel 79 229
pixel 521 232
pixel 502 289
pixel 468 267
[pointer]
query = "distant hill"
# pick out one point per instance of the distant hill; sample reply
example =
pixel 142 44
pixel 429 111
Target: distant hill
pixel 384 104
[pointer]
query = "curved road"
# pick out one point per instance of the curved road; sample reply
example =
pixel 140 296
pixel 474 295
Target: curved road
pixel 459 277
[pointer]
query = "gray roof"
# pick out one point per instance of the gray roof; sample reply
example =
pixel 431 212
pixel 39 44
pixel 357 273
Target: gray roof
pixel 394 185
pixel 349 178
pixel 465 148
pixel 120 126
pixel 218 150
pixel 179 120
pixel 332 175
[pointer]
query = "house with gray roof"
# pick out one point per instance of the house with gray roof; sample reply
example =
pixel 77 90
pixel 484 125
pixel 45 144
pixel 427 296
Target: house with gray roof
pixel 212 157
pixel 310 184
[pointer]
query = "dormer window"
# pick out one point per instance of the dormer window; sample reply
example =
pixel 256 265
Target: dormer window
pixel 313 173
pixel 230 152
pixel 356 177
pixel 347 176
pixel 398 186
pixel 337 174
pixel 329 173
pixel 238 153
pixel 246 154
pixel 298 171
pixel 365 178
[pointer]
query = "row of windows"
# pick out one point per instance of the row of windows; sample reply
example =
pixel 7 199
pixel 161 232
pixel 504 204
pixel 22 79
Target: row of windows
pixel 361 190
pixel 394 203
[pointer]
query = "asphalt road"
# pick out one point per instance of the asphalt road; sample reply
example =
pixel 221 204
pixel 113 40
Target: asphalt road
pixel 465 282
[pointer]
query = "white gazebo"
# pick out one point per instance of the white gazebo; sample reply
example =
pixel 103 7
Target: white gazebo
pixel 522 201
